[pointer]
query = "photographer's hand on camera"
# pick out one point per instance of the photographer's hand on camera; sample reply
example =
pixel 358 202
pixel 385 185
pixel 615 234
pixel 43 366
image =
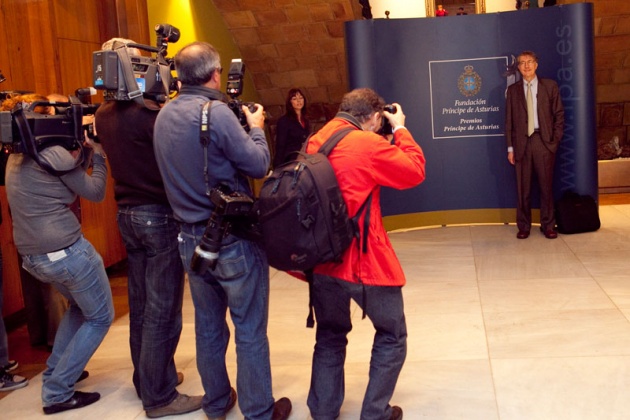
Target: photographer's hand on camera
pixel 397 119
pixel 255 119
pixel 90 139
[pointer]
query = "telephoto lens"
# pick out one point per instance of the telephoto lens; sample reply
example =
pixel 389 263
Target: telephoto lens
pixel 207 252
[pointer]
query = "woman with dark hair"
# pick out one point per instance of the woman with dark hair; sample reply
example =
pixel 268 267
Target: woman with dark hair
pixel 293 128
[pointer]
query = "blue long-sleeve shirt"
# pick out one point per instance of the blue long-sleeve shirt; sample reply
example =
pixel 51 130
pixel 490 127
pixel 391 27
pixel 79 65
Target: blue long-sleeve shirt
pixel 232 154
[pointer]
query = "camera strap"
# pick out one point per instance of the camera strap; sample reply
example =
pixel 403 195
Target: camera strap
pixel 132 85
pixel 204 137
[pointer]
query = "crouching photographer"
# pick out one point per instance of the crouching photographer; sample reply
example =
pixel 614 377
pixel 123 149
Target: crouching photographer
pixel 44 175
pixel 200 144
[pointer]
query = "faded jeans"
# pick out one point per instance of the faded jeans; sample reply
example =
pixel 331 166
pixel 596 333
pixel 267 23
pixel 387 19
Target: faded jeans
pixel 77 272
pixel 240 283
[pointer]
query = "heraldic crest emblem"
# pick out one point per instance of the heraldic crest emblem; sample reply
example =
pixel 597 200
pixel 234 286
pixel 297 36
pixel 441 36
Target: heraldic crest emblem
pixel 469 82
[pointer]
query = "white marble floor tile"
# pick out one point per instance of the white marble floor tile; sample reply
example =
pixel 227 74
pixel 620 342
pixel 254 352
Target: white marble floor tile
pixel 455 336
pixel 418 268
pixel 543 295
pixel 446 296
pixel 606 264
pixel 553 333
pixel 452 389
pixel 520 266
pixel 583 388
pixel 501 239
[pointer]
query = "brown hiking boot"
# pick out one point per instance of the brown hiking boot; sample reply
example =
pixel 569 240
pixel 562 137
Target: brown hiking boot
pixel 182 404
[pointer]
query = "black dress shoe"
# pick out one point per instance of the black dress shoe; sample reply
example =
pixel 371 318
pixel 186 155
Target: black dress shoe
pixel 281 409
pixel 79 399
pixel 522 234
pixel 83 376
pixel 549 233
pixel 396 413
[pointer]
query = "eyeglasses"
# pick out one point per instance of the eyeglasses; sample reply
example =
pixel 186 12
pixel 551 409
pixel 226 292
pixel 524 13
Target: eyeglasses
pixel 530 62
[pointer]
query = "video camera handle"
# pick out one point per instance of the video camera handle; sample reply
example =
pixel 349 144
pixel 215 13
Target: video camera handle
pixel 143 47
pixel 77 112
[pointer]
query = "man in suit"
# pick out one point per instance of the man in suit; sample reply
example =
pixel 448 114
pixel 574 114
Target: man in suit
pixel 533 136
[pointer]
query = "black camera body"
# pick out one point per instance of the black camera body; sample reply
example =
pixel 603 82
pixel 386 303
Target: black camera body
pixel 386 127
pixel 229 205
pixel 234 89
pixel 125 77
pixel 22 130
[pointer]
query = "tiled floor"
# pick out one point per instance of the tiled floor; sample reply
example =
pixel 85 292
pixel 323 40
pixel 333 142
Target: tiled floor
pixel 499 328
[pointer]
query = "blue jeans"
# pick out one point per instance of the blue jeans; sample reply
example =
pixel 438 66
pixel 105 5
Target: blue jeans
pixel 384 306
pixel 78 273
pixel 156 289
pixel 240 283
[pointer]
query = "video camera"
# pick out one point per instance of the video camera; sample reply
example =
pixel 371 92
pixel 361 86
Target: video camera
pixel 234 89
pixel 125 77
pixel 22 130
pixel 228 205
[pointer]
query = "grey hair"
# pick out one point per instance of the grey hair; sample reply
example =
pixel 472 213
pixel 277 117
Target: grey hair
pixel 196 62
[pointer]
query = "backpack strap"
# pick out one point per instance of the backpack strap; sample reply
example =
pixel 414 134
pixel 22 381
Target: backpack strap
pixel 310 319
pixel 330 144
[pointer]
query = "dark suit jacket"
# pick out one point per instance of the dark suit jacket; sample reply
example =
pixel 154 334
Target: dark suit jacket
pixel 290 136
pixel 550 116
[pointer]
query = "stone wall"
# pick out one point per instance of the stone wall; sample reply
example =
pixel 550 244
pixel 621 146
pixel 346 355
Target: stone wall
pixel 612 77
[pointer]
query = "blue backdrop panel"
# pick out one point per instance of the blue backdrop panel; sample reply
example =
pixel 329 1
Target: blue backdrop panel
pixel 451 74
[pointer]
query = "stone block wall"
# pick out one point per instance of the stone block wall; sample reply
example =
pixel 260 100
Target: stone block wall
pixel 612 77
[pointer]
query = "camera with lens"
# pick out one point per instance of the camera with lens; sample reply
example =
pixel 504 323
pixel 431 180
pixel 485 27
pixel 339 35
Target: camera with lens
pixel 124 76
pixel 386 127
pixel 229 207
pixel 234 89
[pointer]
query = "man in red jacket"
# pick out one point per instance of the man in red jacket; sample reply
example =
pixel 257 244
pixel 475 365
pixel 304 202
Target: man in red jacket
pixel 363 162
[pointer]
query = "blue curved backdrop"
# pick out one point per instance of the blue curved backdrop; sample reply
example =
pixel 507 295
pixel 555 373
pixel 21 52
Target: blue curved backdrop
pixel 450 76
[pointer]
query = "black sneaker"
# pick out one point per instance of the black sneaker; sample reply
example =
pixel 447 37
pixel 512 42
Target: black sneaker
pixel 9 382
pixel 79 399
pixel 12 365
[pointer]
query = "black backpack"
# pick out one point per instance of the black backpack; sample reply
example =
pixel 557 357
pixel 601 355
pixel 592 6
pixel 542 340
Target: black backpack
pixel 303 218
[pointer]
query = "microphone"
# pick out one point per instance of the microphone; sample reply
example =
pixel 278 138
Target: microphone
pixel 168 32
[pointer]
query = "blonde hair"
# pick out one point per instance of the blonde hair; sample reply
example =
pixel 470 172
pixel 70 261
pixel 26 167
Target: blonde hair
pixel 115 43
pixel 12 100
